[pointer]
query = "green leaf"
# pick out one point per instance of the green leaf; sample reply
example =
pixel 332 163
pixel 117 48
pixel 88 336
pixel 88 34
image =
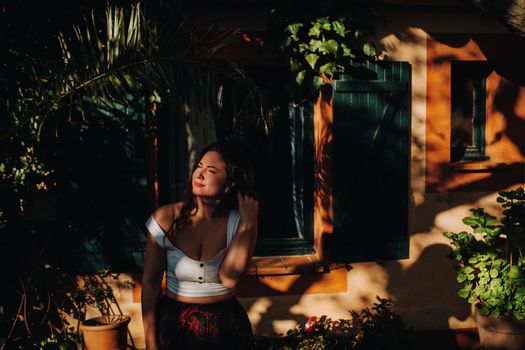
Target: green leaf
pixel 473 260
pixel 315 45
pixel 303 47
pixel 484 311
pixel 495 282
pixel 369 49
pixel 315 30
pixel 324 22
pixel 327 68
pixel 481 265
pixel 347 52
pixel 469 269
pixel 317 82
pixel 518 314
pixel 339 28
pixel 494 273
pixel 312 59
pixel 463 293
pixel 331 46
pixel 471 221
pixel 294 28
pixel 514 272
pixel 461 278
pixel 491 221
pixel 300 77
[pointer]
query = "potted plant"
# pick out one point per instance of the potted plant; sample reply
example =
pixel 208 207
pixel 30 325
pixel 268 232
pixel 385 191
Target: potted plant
pixel 109 330
pixel 491 270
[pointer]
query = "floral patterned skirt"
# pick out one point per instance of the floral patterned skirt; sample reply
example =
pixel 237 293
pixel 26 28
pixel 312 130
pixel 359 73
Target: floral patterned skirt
pixel 222 325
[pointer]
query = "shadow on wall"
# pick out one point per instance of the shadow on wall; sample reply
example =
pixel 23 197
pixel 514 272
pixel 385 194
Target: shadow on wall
pixel 428 287
pixel 425 294
pixel 275 310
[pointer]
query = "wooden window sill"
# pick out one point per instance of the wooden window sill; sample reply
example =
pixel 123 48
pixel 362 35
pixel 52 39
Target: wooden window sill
pixel 285 265
pixel 478 167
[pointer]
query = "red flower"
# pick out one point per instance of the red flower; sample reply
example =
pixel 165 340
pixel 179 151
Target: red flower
pixel 308 327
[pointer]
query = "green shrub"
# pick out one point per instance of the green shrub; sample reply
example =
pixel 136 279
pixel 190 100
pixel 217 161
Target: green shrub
pixel 489 261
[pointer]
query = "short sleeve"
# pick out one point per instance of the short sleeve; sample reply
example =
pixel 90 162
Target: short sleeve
pixel 158 233
pixel 233 223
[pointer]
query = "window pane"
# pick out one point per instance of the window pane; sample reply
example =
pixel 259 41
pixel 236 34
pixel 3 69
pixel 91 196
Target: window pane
pixel 468 111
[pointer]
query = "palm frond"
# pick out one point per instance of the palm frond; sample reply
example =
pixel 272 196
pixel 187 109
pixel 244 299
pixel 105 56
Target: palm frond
pixel 127 54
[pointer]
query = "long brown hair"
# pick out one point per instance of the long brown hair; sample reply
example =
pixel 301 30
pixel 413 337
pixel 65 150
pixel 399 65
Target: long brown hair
pixel 239 173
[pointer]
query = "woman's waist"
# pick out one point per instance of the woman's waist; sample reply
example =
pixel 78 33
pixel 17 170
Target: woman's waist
pixel 211 299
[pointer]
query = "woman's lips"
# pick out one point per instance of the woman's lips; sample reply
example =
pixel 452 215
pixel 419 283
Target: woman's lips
pixel 198 184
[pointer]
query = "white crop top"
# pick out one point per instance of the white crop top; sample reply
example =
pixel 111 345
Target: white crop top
pixel 189 277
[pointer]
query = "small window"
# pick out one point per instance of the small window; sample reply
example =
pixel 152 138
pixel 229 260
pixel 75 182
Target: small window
pixel 468 95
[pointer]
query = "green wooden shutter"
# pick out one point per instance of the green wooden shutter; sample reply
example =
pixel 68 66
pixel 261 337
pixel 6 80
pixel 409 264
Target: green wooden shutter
pixel 371 134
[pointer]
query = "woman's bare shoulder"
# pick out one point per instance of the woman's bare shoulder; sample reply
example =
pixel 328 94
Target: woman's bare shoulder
pixel 165 215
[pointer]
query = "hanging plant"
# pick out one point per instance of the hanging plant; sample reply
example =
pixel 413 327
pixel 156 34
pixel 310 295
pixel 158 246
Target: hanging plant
pixel 324 45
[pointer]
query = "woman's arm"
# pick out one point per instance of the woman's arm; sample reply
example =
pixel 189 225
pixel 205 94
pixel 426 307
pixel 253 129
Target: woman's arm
pixel 242 246
pixel 154 266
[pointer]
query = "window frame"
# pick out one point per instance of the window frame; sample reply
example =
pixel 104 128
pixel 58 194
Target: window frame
pixel 477 71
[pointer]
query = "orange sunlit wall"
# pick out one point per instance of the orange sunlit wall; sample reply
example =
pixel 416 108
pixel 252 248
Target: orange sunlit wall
pixel 505 113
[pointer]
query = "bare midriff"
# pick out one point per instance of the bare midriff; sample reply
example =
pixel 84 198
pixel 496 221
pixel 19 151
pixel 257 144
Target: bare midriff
pixel 200 300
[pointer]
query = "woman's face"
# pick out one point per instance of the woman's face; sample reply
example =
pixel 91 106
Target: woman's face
pixel 209 178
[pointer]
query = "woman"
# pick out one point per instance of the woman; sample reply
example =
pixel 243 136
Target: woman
pixel 204 245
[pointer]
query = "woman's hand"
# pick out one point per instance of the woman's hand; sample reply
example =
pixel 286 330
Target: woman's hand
pixel 248 209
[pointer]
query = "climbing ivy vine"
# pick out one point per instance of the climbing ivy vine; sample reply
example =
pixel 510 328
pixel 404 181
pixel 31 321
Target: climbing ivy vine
pixel 324 45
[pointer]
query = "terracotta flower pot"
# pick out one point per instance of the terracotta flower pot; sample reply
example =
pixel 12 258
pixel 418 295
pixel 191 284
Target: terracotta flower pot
pixel 99 335
pixel 501 333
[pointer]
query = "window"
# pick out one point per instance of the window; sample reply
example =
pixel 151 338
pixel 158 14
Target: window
pixel 283 158
pixel 468 97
